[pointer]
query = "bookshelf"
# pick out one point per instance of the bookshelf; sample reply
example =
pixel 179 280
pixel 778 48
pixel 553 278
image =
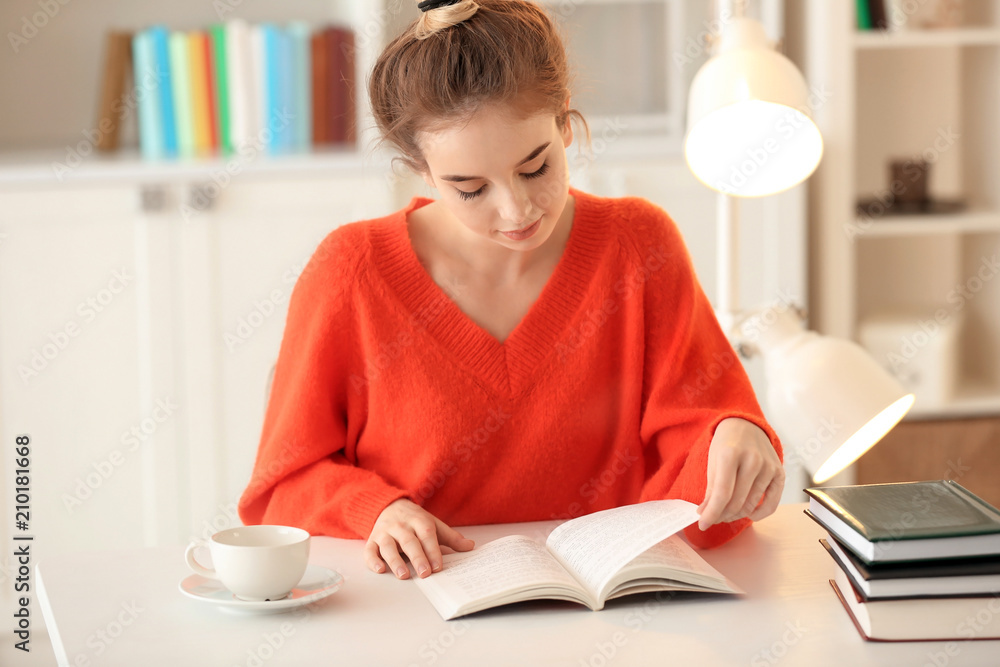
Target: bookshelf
pixel 918 92
pixel 927 92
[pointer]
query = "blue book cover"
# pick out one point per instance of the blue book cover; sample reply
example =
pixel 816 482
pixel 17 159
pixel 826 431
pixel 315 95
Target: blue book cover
pixel 161 61
pixel 149 84
pixel 273 113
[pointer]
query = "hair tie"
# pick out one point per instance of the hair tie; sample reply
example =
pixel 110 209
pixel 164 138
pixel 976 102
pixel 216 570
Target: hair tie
pixel 428 5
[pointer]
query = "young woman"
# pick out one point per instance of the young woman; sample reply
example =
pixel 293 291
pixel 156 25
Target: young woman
pixel 514 350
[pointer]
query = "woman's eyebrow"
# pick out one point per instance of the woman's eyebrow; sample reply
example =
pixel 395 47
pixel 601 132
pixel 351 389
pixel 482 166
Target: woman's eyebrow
pixel 531 156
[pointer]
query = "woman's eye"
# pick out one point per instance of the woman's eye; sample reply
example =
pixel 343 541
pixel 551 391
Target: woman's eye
pixel 470 195
pixel 539 173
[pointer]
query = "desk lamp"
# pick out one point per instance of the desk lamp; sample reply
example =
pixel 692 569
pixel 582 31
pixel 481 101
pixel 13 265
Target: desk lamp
pixel 750 134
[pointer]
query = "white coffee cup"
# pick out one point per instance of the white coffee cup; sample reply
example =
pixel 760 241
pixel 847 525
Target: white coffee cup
pixel 255 562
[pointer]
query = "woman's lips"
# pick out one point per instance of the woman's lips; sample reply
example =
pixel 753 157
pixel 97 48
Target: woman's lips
pixel 525 233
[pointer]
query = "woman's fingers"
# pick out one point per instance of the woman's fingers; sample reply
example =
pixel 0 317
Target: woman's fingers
pixel 451 538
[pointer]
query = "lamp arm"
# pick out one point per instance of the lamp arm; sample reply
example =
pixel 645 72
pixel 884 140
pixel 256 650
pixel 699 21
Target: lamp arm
pixel 727 268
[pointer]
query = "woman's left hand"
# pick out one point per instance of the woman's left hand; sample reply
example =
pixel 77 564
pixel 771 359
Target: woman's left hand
pixel 745 476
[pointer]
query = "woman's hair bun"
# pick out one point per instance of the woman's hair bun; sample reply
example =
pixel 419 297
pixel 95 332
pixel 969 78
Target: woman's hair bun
pixel 437 15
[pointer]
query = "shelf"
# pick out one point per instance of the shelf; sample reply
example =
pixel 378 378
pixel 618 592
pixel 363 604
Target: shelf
pixel 972 400
pixel 908 39
pixel 41 167
pixel 924 225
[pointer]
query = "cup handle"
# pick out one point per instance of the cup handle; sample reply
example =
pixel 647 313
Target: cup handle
pixel 194 565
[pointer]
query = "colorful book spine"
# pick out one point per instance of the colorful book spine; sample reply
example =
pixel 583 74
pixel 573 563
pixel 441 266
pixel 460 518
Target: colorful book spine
pixel 199 97
pixel 213 113
pixel 320 90
pixel 238 88
pixel 148 83
pixel 260 134
pixel 242 85
pixel 301 78
pixel 182 94
pixel 220 75
pixel 161 60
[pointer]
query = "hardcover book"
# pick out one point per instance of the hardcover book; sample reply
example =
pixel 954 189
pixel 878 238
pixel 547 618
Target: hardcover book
pixel 908 520
pixel 919 619
pixel 588 560
pixel 938 578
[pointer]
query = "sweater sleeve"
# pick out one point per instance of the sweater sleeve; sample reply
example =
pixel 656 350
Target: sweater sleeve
pixel 692 377
pixel 303 475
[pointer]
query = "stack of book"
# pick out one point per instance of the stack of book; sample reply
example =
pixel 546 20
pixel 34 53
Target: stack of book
pixel 917 561
pixel 231 88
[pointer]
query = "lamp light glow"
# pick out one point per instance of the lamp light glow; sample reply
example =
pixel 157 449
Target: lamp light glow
pixel 829 400
pixel 749 129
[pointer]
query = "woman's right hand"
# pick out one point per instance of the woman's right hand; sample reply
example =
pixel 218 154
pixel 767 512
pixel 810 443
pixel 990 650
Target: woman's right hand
pixel 404 527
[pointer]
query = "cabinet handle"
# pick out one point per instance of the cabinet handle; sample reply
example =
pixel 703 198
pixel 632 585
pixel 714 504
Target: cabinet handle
pixel 152 198
pixel 202 196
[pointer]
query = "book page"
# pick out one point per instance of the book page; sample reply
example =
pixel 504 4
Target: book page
pixel 492 571
pixel 594 547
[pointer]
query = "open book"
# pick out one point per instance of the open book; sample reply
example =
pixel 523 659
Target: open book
pixel 591 559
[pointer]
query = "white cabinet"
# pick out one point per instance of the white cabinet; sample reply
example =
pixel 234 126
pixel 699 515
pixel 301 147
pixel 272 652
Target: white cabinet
pixel 136 345
pixel 929 94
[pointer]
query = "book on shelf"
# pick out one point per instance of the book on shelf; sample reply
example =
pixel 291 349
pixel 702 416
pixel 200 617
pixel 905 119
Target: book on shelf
pixel 907 521
pixel 878 15
pixel 587 560
pixel 234 87
pixel 114 81
pixel 936 578
pixel 919 618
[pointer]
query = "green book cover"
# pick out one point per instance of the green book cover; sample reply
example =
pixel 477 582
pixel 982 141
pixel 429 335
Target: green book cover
pixel 910 510
pixel 183 111
pixel 217 33
pixel 864 15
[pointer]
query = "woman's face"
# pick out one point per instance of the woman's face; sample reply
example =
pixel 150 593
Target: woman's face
pixel 503 177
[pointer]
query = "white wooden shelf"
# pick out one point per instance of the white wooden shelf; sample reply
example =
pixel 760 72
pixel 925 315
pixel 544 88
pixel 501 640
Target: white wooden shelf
pixel 967 222
pixel 907 39
pixel 42 167
pixel 973 399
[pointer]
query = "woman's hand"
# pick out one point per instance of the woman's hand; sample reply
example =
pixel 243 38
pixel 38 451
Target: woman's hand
pixel 406 527
pixel 745 476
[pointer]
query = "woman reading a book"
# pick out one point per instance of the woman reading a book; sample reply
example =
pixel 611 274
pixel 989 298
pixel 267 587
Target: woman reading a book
pixel 514 350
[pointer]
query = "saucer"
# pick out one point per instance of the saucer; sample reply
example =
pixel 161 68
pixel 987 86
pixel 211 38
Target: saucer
pixel 317 583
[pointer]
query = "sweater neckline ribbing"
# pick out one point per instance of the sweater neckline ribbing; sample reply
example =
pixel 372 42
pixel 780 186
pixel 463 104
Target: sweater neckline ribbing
pixel 508 367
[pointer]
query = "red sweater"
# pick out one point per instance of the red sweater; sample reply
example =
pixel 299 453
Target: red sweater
pixel 607 392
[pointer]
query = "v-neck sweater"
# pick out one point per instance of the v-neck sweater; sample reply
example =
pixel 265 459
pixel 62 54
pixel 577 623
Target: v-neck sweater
pixel 608 391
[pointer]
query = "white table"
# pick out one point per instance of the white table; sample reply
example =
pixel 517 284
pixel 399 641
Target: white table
pixel 790 616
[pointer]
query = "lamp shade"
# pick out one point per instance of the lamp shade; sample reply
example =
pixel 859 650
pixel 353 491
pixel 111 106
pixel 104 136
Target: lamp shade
pixel 749 129
pixel 829 400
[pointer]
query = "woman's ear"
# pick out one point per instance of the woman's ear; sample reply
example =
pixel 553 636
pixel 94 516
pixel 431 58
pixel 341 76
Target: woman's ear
pixel 567 129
